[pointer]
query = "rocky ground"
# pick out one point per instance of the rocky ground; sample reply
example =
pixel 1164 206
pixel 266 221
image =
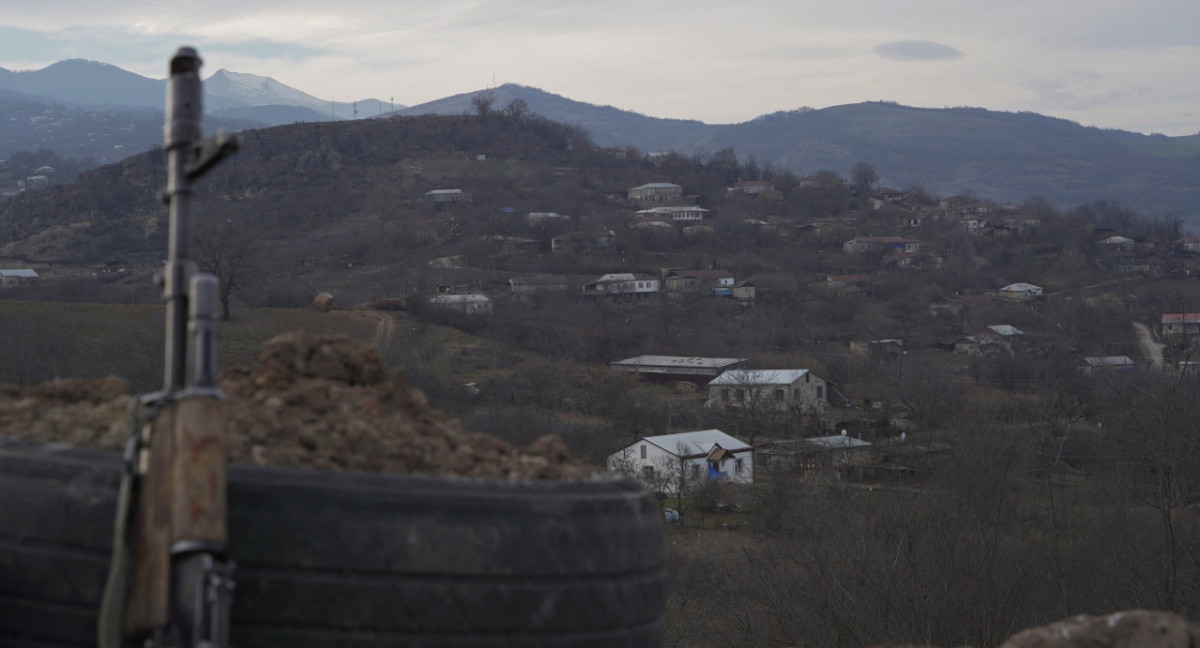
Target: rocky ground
pixel 325 403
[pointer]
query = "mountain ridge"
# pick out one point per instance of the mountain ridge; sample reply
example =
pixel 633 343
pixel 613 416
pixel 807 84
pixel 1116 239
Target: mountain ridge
pixel 1004 156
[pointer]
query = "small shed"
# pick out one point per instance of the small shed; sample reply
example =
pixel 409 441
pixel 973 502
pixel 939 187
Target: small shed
pixel 325 302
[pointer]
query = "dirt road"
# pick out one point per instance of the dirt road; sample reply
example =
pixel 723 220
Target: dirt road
pixel 385 326
pixel 1152 351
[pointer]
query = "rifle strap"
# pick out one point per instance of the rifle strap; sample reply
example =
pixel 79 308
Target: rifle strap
pixel 109 629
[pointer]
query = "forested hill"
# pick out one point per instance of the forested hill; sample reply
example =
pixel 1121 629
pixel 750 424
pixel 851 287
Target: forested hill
pixel 1009 157
pixel 289 179
pixel 1002 156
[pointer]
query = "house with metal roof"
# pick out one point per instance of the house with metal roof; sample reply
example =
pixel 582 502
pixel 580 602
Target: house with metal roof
pixel 18 277
pixel 656 192
pixel 716 281
pixel 1020 291
pixel 696 370
pixel 1180 323
pixel 470 304
pixel 670 462
pixel 1093 364
pixel 788 390
pixel 622 285
pixel 692 214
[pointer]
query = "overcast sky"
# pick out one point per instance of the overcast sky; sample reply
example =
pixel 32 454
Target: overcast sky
pixel 1128 64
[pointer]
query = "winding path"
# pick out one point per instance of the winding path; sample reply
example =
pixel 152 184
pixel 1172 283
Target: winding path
pixel 1151 351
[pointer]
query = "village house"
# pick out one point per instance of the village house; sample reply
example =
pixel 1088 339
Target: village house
pixel 670 463
pixel 827 455
pixel 659 192
pixel 469 304
pixel 868 244
pixel 916 260
pixel 1092 365
pixel 1187 246
pixel 447 196
pixel 982 344
pixel 660 368
pixel 1116 244
pixel 692 214
pixel 885 349
pixel 752 188
pixel 622 285
pixel 975 225
pixel 844 281
pixel 533 284
pixel 717 282
pixel 1180 323
pixel 770 389
pixel 1019 292
pixel 582 242
pixel 542 217
pixel 18 277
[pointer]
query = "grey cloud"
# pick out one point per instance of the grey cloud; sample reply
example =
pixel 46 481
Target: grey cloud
pixel 917 51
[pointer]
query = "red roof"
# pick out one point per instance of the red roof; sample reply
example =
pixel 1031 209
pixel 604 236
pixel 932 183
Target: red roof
pixel 1181 318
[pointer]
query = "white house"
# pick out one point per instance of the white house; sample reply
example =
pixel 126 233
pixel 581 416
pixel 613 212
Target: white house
pixel 622 284
pixel 17 277
pixel 769 389
pixel 1020 291
pixel 693 214
pixel 656 192
pixel 670 461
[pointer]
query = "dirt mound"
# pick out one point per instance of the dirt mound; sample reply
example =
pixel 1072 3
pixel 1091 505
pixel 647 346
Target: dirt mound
pixel 326 403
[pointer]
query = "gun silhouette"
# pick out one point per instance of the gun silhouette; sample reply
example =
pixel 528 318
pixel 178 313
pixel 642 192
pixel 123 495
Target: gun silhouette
pixel 170 584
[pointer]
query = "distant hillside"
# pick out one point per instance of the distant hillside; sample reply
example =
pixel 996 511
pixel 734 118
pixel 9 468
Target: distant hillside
pixel 89 83
pixel 1008 157
pixel 303 182
pixel 99 85
pixel 996 155
pixel 608 126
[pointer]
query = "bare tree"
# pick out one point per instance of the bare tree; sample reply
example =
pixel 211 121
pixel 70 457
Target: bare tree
pixel 228 252
pixel 482 102
pixel 517 110
pixel 863 178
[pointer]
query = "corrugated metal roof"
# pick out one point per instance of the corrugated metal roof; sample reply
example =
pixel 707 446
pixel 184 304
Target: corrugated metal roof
pixel 759 377
pixel 1109 361
pixel 23 273
pixel 679 361
pixel 838 441
pixel 700 442
pixel 459 299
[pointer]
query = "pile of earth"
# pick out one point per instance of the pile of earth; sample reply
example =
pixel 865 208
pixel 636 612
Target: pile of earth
pixel 325 403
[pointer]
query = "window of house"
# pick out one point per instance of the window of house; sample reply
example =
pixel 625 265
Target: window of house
pixel 648 472
pixel 643 451
pixel 724 394
pixel 695 471
pixel 796 394
pixel 737 466
pixel 779 395
pixel 741 395
pixel 820 392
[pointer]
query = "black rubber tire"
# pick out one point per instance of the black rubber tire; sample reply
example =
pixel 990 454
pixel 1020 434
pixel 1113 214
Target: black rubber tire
pixel 353 560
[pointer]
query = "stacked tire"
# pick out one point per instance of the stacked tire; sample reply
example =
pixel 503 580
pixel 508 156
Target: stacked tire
pixel 352 560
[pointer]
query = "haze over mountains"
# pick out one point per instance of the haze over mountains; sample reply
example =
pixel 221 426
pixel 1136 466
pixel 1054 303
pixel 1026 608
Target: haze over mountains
pixel 1009 157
